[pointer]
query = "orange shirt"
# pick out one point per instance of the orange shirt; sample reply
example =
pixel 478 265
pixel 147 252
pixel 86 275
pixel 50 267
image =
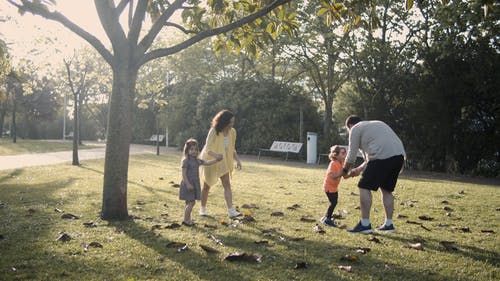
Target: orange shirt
pixel 330 184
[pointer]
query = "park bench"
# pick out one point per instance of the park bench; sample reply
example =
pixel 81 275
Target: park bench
pixel 155 138
pixel 282 147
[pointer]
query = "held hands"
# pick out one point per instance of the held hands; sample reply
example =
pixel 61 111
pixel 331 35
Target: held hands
pixel 238 164
pixel 218 157
pixel 189 186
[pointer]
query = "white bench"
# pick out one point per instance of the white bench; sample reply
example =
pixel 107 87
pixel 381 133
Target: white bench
pixel 155 138
pixel 282 147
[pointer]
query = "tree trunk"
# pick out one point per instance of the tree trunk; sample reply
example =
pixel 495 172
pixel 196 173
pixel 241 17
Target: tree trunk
pixel 114 203
pixel 76 131
pixel 13 130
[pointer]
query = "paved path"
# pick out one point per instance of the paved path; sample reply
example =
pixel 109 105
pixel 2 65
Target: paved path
pixel 39 159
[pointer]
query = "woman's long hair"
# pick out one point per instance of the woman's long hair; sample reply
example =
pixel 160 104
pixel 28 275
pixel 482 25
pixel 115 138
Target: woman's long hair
pixel 221 120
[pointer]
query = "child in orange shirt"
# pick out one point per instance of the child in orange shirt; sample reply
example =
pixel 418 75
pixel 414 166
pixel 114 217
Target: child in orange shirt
pixel 330 185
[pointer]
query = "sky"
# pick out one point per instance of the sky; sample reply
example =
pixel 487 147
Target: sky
pixel 25 33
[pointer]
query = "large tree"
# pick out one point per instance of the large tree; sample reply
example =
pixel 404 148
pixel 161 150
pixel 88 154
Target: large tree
pixel 241 21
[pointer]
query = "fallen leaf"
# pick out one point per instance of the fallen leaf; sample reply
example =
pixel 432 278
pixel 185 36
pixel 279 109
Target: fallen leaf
pixel 461 192
pixel 173 226
pixel 85 247
pixel 69 216
pixel 248 218
pixel 296 238
pixel 400 216
pixel 318 229
pixel 217 241
pixel 445 202
pixel 211 226
pixel 353 193
pixel 487 231
pixel 446 208
pixel 138 202
pixel 374 239
pixel 350 258
pixel 464 229
pixel 249 206
pixel 31 211
pixel 183 249
pixel 416 246
pixel 277 214
pixel 425 218
pixel 58 210
pixel 443 225
pixel 448 245
pixel 243 257
pixel 95 244
pixel 448 214
pixel 175 185
pixel 247 212
pixel 419 239
pixel 294 207
pixel 307 219
pixel 176 245
pixel 209 249
pixel 300 265
pixel 90 224
pixel 261 242
pixel 63 237
pixel 363 250
pixel 424 227
pixel 347 268
pixel 164 215
pixel 156 226
pixel 414 222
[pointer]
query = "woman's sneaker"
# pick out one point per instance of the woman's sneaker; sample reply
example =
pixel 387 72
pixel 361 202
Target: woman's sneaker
pixel 233 213
pixel 386 228
pixel 359 228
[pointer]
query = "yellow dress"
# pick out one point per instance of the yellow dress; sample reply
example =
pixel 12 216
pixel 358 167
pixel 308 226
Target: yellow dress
pixel 215 143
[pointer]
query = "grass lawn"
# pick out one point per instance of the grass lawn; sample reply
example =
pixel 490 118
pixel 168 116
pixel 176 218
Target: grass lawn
pixel 25 146
pixel 429 210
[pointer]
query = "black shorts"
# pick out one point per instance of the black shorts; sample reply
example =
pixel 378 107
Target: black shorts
pixel 382 173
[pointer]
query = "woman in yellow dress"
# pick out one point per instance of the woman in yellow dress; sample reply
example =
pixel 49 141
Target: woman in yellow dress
pixel 221 141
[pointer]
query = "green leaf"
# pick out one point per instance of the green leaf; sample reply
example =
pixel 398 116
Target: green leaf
pixel 409 4
pixel 322 11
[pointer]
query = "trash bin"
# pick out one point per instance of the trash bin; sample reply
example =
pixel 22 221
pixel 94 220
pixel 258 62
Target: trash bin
pixel 312 150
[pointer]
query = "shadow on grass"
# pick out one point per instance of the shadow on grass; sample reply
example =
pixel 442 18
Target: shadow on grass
pixel 278 257
pixel 439 177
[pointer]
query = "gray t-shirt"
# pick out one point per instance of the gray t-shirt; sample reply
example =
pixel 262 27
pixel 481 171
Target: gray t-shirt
pixel 376 139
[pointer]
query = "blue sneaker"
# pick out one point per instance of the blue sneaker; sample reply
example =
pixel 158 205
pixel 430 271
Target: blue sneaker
pixel 359 228
pixel 329 222
pixel 386 228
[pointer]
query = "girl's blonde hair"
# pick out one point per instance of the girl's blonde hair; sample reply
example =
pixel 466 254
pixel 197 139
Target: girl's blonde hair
pixel 187 145
pixel 335 151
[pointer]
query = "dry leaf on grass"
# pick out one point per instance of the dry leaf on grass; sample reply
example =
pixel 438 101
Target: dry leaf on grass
pixel 69 216
pixel 347 268
pixel 448 245
pixel 243 257
pixel 277 214
pixel 271 230
pixel 247 218
pixel 374 239
pixel 209 249
pixel 90 224
pixel 176 245
pixel 173 226
pixel 416 246
pixel 446 208
pixel 318 229
pixel 260 242
pixel 58 210
pixel 424 227
pixel 63 237
pixel 363 250
pixel 156 226
pixel 350 258
pixel 413 222
pixel 400 216
pixel 216 240
pixel 487 231
pixel 294 207
pixel 425 218
pixel 307 219
pixel 249 206
pixel 301 265
pixel 211 226
pixel 463 229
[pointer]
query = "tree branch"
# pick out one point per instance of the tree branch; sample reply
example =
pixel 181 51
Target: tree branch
pixel 135 27
pixel 208 33
pixel 58 17
pixel 110 22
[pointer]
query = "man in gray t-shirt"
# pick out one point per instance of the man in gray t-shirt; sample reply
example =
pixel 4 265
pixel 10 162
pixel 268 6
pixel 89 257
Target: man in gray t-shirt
pixel 384 157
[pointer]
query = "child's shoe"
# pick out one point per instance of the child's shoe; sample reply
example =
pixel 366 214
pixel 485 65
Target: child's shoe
pixel 232 213
pixel 203 211
pixel 329 222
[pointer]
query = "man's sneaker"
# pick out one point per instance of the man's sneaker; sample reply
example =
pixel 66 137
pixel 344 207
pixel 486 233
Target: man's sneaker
pixel 233 213
pixel 386 228
pixel 203 211
pixel 329 222
pixel 359 228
